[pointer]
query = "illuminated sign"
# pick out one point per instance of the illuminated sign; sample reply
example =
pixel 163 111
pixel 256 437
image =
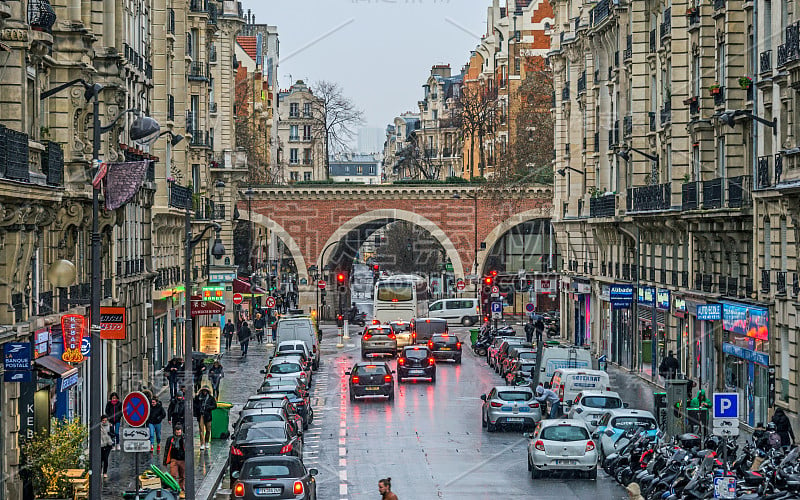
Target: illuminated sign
pixel 73 327
pixel 746 320
pixel 214 293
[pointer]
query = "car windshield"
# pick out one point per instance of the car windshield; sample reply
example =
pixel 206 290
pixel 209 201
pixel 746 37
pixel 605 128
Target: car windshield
pixel 262 417
pixel 395 292
pixel 401 327
pixel 605 402
pixel 266 471
pixel 261 434
pixel 416 353
pixel 514 395
pixel 451 339
pixel 285 368
pixel 262 403
pixel 290 347
pixel 379 331
pixel 425 327
pixel 528 356
pixel 564 433
pixel 370 370
pixel 646 423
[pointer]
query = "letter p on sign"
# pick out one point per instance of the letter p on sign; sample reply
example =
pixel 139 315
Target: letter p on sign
pixel 726 405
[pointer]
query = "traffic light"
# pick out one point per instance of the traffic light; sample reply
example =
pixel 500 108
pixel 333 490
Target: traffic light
pixel 341 281
pixel 488 281
pixel 376 273
pixel 339 320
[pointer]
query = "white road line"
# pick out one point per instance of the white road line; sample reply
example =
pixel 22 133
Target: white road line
pixel 342 489
pixel 342 452
pixel 343 475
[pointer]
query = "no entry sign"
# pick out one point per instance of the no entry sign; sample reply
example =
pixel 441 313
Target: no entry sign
pixel 237 298
pixel 460 285
pixel 270 302
pixel 136 409
pixel 321 284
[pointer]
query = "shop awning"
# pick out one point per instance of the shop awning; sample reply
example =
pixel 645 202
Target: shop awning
pixel 202 307
pixel 242 286
pixel 55 366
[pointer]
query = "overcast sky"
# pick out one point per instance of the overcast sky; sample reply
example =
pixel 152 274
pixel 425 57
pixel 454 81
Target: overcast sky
pixel 380 51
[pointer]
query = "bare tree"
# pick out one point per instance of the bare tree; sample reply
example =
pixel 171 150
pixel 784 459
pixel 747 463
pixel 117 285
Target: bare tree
pixel 409 249
pixel 475 106
pixel 252 134
pixel 335 117
pixel 417 160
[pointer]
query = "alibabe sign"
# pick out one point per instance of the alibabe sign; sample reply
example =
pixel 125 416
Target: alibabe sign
pixel 73 327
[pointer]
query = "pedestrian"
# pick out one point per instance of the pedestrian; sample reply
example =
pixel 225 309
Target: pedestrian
pixel 783 427
pixel 539 327
pixel 175 457
pixel 198 368
pixel 176 412
pixel 774 440
pixel 274 327
pixel 669 367
pixel 258 325
pixel 634 492
pixel 215 375
pixel 157 414
pixel 244 337
pixel 204 403
pixel 173 371
pixel 551 398
pixel 760 436
pixel 700 401
pixel 228 332
pixel 385 489
pixel 279 303
pixel 114 412
pixel 106 443
pixel 529 330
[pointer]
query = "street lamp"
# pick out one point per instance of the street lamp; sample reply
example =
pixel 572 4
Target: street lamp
pixel 728 117
pixel 563 171
pixel 474 197
pixel 624 153
pixel 143 130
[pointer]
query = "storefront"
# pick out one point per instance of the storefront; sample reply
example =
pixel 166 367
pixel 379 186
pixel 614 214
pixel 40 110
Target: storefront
pixel 581 293
pixel 622 337
pixel 681 344
pixel 652 327
pixel 603 340
pixel 746 360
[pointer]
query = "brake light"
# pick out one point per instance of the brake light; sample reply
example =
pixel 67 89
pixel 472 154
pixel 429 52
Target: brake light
pixel 367 336
pixel 589 445
pixel 269 375
pixel 534 405
pixel 287 448
pixel 608 388
pixel 445 335
pixel 236 451
pixel 355 379
pixel 401 361
pixel 302 374
pixel 430 344
pixel 392 336
pixel 387 378
pixel 561 392
pixel 539 445
pixel 314 348
pixel 495 404
pixel 238 490
pixel 430 361
pixel 298 488
pixel 458 345
pixel 427 321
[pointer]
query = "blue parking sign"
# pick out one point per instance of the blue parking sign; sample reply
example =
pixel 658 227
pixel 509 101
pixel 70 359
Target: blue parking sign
pixel 726 405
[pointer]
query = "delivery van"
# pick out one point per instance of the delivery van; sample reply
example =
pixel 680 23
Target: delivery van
pixel 569 382
pixel 561 356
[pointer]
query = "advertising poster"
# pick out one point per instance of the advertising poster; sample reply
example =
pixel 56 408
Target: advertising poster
pixel 746 320
pixel 209 339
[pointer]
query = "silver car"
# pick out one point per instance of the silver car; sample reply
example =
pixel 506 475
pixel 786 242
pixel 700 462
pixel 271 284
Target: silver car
pixel 507 406
pixel 561 444
pixel 288 366
pixel 590 406
pixel 378 339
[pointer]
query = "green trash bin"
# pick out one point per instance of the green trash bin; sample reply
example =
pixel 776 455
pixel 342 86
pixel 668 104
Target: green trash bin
pixel 473 334
pixel 220 421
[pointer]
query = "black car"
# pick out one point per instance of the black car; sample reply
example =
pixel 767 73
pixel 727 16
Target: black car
pixel 298 398
pixel 370 380
pixel 280 401
pixel 274 477
pixel 266 438
pixel 445 346
pixel 416 361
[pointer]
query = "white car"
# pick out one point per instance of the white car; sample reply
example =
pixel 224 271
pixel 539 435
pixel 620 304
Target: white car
pixel 590 406
pixel 561 444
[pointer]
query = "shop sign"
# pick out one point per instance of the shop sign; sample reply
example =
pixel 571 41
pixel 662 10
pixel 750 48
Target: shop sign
pixel 546 286
pixel 709 312
pixel 73 327
pixel 41 343
pixel 746 354
pixel 680 305
pixel 66 382
pixel 221 277
pixel 214 293
pixel 662 299
pixel 746 320
pixel 584 288
pixel 112 323
pixel 604 293
pixel 17 362
pixel 209 339
pixel 771 386
pixel 646 296
pixel 621 296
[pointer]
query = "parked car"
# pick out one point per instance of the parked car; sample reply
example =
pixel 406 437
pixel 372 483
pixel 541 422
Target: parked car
pixel 502 351
pixel 416 362
pixel 261 415
pixel 300 400
pixel 279 477
pixel 288 367
pixel 369 379
pixel 294 348
pixel 299 328
pixel 402 331
pixel 378 339
pixel 491 351
pixel 282 381
pixel 506 406
pixel 422 329
pixel 590 406
pixel 456 311
pixel 560 444
pixel 519 359
pixel 445 346
pixel 266 438
pixel 614 423
pixel 281 401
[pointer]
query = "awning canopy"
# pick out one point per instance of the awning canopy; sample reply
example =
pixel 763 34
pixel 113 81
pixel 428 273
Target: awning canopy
pixel 242 286
pixel 202 307
pixel 55 366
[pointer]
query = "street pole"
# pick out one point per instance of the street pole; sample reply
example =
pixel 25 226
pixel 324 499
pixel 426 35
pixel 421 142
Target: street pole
pixel 95 360
pixel 188 347
pixel 475 244
pixel 249 194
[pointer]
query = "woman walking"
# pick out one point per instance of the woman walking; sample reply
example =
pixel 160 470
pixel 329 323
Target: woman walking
pixel 157 414
pixel 783 427
pixel 215 375
pixel 106 443
pixel 204 403
pixel 114 412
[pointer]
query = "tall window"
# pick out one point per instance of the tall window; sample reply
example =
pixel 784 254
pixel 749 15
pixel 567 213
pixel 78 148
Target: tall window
pixel 306 176
pixel 767 244
pixel 307 156
pixel 293 156
pixel 196 178
pixel 722 72
pixel 307 109
pixel 294 110
pixel 721 156
pixel 294 176
pixel 306 132
pixel 784 246
pixel 294 134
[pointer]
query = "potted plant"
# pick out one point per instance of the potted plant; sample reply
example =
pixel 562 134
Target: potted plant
pixel 691 100
pixel 691 11
pixel 49 456
pixel 745 82
pixel 715 89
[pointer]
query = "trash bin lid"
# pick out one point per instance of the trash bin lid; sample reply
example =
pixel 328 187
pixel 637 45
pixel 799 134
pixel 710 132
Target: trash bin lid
pixel 226 406
pixel 166 478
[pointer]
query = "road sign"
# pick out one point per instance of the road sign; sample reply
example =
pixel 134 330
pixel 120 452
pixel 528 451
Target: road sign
pixel 460 285
pixel 135 433
pixel 237 298
pixel 270 302
pixel 726 431
pixel 136 409
pixel 728 423
pixel 495 291
pixel 497 310
pixel 136 446
pixel 321 284
pixel 725 487
pixel 726 405
pixel 530 307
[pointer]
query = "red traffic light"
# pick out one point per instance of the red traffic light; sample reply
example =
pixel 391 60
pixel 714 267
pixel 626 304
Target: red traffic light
pixel 488 280
pixel 340 278
pixel 340 317
pixel 493 273
pixel 376 267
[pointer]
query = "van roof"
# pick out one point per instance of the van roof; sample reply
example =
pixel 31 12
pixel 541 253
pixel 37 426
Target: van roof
pixel 579 371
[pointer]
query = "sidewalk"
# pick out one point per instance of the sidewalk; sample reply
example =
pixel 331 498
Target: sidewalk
pixel 242 379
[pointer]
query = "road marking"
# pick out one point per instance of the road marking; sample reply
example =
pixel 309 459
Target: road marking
pixel 343 475
pixel 342 462
pixel 342 452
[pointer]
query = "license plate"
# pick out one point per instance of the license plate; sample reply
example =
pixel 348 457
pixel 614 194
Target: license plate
pixel 445 348
pixel 373 388
pixel 516 419
pixel 565 462
pixel 268 491
pixel 416 372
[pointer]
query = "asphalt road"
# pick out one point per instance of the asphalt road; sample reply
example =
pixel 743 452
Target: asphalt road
pixel 429 440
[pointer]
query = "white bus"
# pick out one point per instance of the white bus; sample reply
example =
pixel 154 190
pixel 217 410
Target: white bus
pixel 400 298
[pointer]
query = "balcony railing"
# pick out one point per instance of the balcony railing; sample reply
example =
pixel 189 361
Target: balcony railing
pixel 41 16
pixel 694 106
pixel 212 14
pixel 627 126
pixel 795 285
pixel 600 12
pixel 766 286
pixel 739 189
pixel 53 164
pixel 781 283
pixel 689 196
pixel 582 83
pixel 783 55
pixel 762 173
pixel 650 198
pixel 778 168
pixel 14 154
pixel 197 72
pixel 666 25
pixel 603 206
pixel 179 196
pixel 712 193
pixel 719 4
pixel 565 92
pixel 653 43
pixel 765 61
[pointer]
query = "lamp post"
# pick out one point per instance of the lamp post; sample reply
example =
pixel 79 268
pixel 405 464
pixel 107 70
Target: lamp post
pixel 250 266
pixel 144 131
pixel 324 267
pixel 474 197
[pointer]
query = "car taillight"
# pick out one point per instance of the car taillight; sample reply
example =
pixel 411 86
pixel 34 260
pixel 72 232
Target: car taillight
pixel 236 451
pixel 355 379
pixel 608 388
pixel 269 375
pixel 430 361
pixel 286 449
pixel 539 445
pixel 387 378
pixel 401 361
pixel 589 445
pixel 303 374
pixel 495 404
pixel 238 490
pixel 367 336
pixel 561 392
pixel 458 345
pixel 534 405
pixel 298 488
pixel 376 322
pixel 430 344
pixel 392 336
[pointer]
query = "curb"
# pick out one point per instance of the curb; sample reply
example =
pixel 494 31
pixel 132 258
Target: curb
pixel 208 488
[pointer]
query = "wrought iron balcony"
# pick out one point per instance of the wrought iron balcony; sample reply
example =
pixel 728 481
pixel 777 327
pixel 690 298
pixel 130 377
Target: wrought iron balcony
pixel 689 196
pixel 603 206
pixel 765 62
pixel 650 198
pixel 582 83
pixel 197 72
pixel 41 16
pixel 14 154
pixel 781 283
pixel 666 114
pixel 795 285
pixel 179 196
pixel 698 281
pixel 600 12
pixel 783 55
pixel 694 105
pixel 212 14
pixel 732 286
pixel 762 172
pixel 627 54
pixel 719 4
pixel 766 286
pixel 712 193
pixel 778 168
pixel 694 17
pixel 53 164
pixel 627 126
pixel 739 189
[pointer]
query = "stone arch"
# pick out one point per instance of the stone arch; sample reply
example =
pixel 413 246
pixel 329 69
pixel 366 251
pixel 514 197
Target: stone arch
pixel 501 229
pixel 397 214
pixel 286 237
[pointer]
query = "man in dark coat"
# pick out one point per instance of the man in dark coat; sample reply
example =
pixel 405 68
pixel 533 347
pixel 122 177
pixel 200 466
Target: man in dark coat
pixel 228 332
pixel 669 367
pixel 783 427
pixel 173 372
pixel 244 337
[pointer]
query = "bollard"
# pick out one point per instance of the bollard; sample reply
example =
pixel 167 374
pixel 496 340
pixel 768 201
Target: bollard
pixel 346 330
pixel 340 344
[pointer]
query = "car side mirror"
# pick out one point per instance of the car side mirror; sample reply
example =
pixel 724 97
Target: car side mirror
pixel 262 372
pixel 235 474
pixel 483 397
pixel 595 435
pixel 313 472
pixel 626 405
